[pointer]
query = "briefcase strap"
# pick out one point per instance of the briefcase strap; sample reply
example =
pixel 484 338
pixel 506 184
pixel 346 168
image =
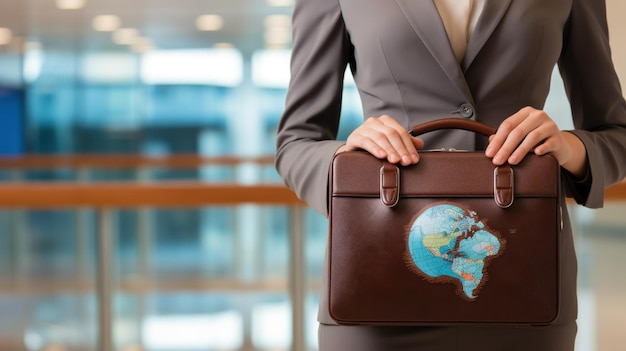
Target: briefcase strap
pixel 389 184
pixel 503 192
pixel 452 123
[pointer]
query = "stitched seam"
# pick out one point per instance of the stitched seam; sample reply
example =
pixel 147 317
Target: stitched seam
pixel 532 71
pixel 402 97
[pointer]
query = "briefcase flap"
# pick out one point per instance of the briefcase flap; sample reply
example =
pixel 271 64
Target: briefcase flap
pixel 443 174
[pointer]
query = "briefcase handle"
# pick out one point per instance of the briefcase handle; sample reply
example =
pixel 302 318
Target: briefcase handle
pixel 452 123
pixel 503 175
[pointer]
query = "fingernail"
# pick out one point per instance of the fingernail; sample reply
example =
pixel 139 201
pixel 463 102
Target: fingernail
pixel 489 151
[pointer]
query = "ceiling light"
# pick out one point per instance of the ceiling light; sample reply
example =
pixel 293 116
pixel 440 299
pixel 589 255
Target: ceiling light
pixel 125 36
pixel 280 3
pixel 194 66
pixel 33 61
pixel 277 36
pixel 70 4
pixel 278 21
pixel 32 46
pixel 5 36
pixel 142 44
pixel 209 22
pixel 16 45
pixel 270 68
pixel 223 45
pixel 108 67
pixel 106 23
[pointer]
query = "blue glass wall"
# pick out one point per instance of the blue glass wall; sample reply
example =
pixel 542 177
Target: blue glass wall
pixel 11 121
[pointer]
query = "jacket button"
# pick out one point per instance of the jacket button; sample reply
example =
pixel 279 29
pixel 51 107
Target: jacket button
pixel 466 110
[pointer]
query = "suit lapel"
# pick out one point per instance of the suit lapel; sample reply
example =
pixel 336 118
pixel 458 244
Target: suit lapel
pixel 426 22
pixel 489 19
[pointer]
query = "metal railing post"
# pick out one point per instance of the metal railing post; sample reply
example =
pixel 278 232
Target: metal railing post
pixel 104 281
pixel 145 238
pixel 297 277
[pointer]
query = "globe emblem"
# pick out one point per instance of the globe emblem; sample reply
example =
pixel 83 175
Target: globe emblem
pixel 448 243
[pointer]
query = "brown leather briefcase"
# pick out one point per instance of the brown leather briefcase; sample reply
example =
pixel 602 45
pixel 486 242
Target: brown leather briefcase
pixel 452 240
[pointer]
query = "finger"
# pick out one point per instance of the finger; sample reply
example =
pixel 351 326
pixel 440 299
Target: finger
pixel 553 144
pixel 533 138
pixel 519 142
pixel 540 129
pixel 384 137
pixel 406 146
pixel 402 147
pixel 549 145
pixel 362 139
pixel 381 141
pixel 401 141
pixel 533 127
pixel 497 140
pixel 418 143
pixel 413 145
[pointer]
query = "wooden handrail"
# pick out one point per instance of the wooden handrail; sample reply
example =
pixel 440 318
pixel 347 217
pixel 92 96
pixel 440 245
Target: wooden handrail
pixel 139 284
pixel 56 195
pixel 165 194
pixel 79 161
pixel 53 195
pixel 616 192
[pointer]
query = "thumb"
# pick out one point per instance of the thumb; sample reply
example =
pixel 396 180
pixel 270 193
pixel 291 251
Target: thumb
pixel 418 143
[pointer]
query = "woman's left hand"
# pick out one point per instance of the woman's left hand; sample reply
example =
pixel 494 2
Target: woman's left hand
pixel 532 130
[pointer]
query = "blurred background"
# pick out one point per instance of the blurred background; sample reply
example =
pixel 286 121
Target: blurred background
pixel 199 86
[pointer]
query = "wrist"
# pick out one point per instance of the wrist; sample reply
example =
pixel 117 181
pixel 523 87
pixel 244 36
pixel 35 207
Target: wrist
pixel 576 164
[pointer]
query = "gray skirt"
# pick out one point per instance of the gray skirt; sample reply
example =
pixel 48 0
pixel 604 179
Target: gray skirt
pixel 363 338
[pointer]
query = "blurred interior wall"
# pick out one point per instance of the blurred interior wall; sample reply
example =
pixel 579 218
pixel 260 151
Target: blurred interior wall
pixel 617 32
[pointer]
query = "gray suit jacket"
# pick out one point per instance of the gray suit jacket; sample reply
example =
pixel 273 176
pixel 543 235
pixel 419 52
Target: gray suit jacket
pixel 404 66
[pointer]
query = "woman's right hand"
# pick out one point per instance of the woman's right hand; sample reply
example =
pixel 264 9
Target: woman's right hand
pixel 383 137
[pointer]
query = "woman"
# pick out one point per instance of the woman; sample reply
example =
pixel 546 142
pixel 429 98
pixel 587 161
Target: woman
pixel 486 60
